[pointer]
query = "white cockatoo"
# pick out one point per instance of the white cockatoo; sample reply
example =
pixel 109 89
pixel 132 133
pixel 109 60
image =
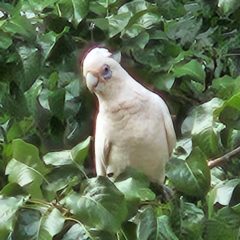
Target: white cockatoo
pixel 133 124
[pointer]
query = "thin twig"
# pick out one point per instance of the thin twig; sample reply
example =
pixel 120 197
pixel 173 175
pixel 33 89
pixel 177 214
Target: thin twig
pixel 218 161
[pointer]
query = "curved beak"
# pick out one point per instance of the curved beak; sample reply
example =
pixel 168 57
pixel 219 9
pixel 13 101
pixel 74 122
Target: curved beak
pixel 91 81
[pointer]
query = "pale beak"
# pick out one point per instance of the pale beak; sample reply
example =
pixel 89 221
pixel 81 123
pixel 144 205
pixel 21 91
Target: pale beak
pixel 91 81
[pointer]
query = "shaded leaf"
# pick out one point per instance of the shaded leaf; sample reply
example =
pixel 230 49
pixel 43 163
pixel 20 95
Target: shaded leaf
pixel 135 187
pixel 193 69
pixel 192 221
pixel 117 23
pixel 77 231
pixel 192 176
pixel 100 204
pixel 32 224
pixel 225 87
pixel 80 151
pixel 73 10
pixel 152 227
pixel 5 40
pixel 20 25
pixel 66 157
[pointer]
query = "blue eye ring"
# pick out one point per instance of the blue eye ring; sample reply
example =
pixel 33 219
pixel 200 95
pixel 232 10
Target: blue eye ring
pixel 106 72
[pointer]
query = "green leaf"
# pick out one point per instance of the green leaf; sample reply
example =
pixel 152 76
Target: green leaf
pixel 39 6
pixel 52 222
pixel 28 154
pixel 183 30
pixel 61 177
pixel 20 25
pixel 58 158
pixel 204 127
pixel 134 183
pixel 133 7
pixel 106 3
pixel 8 209
pixel 193 69
pixel 32 224
pixel 13 189
pixel 5 40
pixel 193 221
pixel 217 230
pixel 66 157
pixel 148 225
pixel 117 23
pixel 80 151
pixel 77 231
pixel 230 116
pixel 26 168
pixel 228 7
pixel 141 40
pixel 229 112
pixel 56 100
pixel 73 10
pixel 223 191
pixel 192 176
pixel 225 87
pixel 31 59
pixel 165 230
pixel 100 205
pixel 152 227
pixel 97 8
pixel 48 41
pixel 208 142
pixel 135 187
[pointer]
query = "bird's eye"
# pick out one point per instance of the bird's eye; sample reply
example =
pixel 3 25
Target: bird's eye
pixel 106 72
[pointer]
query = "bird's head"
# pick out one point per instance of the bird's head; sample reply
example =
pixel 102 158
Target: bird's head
pixel 102 71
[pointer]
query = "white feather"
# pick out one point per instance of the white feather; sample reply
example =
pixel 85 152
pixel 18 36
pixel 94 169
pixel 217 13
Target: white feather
pixel 133 125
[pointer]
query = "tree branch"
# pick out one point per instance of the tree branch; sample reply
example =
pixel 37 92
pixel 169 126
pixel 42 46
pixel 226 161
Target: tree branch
pixel 218 161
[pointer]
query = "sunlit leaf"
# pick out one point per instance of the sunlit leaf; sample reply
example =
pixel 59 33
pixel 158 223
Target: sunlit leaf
pixel 26 168
pixel 8 208
pixel 223 191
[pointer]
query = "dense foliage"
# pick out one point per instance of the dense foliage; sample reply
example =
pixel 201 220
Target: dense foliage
pixel 187 50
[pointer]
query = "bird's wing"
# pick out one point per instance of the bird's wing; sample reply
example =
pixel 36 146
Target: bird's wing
pixel 168 124
pixel 102 148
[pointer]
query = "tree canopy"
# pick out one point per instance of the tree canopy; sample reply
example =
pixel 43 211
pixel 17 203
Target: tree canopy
pixel 187 51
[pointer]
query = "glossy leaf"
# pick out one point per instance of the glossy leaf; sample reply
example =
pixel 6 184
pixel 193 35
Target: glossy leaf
pixel 152 227
pixel 32 224
pixel 67 157
pixel 192 176
pixel 8 209
pixel 100 204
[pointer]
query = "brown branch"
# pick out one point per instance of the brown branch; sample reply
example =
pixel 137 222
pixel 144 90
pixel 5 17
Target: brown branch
pixel 218 161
